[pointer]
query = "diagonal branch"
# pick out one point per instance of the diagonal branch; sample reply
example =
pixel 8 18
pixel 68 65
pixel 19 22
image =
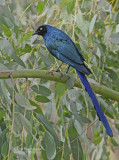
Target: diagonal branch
pixel 59 77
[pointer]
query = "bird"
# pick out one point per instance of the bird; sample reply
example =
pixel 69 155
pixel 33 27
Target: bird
pixel 61 46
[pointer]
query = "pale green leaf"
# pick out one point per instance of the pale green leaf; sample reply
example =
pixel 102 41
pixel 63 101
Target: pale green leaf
pixel 23 102
pixel 50 145
pixel 48 127
pixel 41 90
pixel 76 147
pixel 40 7
pixel 81 132
pixel 115 38
pixel 4 149
pixel 42 99
pixel 92 23
pixel 21 121
pixel 63 2
pixel 70 7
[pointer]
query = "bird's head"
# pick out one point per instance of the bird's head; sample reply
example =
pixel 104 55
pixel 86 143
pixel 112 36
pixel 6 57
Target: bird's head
pixel 42 30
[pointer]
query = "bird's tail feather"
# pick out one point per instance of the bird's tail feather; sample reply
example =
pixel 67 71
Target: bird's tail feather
pixel 95 103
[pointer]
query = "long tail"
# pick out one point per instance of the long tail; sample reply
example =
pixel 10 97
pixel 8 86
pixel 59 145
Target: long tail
pixel 95 103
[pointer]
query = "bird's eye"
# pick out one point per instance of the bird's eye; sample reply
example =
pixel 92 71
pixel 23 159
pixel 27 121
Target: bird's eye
pixel 41 29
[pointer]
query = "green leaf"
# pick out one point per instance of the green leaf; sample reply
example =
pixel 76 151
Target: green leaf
pixel 20 153
pixel 58 154
pixel 41 90
pixel 66 150
pixel 78 116
pixel 40 7
pixel 115 38
pixel 4 149
pixel 17 123
pixel 82 24
pixel 63 2
pixel 20 99
pixel 29 139
pixel 84 119
pixel 2 114
pixel 92 23
pixel 38 109
pixel 21 121
pixel 117 126
pixel 117 17
pixel 59 89
pixel 42 99
pixel 75 143
pixel 113 76
pixel 67 114
pixel 81 132
pixel 6 30
pixel 17 59
pixel 27 48
pixel 26 36
pixel 75 95
pixel 70 7
pixel 97 140
pixel 47 58
pixel 48 127
pixel 8 49
pixel 70 83
pixel 44 156
pixel 75 112
pixel 8 85
pixel 3 94
pixel 6 16
pixel 109 112
pixel 50 145
pixel 23 102
pixel 113 141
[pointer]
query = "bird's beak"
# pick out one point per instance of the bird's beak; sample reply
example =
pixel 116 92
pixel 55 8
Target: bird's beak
pixel 34 33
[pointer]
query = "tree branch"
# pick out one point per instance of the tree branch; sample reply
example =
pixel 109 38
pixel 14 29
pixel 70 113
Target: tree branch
pixel 59 77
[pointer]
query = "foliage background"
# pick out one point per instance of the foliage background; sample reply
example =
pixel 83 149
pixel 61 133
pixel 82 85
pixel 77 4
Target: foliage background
pixel 52 120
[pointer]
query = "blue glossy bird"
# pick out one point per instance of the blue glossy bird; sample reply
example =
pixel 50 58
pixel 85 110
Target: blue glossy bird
pixel 63 48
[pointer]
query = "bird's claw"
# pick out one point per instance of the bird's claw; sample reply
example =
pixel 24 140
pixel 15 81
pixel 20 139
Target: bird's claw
pixel 63 74
pixel 57 70
pixel 66 74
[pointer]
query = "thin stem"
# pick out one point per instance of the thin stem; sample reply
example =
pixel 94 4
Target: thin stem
pixel 27 9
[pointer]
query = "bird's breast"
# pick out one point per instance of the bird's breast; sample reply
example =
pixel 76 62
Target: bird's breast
pixel 50 44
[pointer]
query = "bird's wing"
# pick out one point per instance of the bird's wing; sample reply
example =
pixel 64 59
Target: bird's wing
pixel 65 46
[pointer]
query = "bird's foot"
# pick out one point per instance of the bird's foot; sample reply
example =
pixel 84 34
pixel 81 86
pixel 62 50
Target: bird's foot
pixel 57 70
pixel 66 74
pixel 63 74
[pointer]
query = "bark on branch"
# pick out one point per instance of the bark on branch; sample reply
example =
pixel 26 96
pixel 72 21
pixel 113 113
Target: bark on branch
pixel 59 77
